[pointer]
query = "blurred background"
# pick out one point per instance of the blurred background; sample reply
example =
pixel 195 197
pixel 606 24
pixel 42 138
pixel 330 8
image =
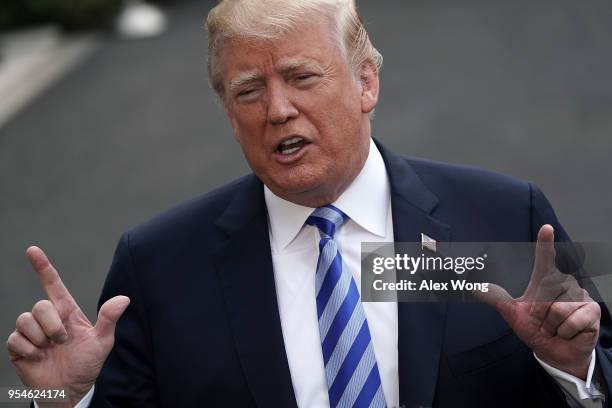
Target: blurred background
pixel 106 118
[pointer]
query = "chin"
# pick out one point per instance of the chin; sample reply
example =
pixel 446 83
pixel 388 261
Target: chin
pixel 309 192
pixel 297 183
pixel 298 186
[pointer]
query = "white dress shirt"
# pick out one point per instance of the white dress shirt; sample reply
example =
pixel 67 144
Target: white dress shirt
pixel 367 202
pixel 295 250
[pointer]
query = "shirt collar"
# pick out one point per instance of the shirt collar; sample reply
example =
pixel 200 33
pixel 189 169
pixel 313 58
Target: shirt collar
pixel 365 201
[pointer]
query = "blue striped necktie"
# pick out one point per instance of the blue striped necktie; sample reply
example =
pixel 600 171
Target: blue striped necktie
pixel 350 365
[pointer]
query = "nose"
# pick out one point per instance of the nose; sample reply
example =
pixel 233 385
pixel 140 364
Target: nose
pixel 280 108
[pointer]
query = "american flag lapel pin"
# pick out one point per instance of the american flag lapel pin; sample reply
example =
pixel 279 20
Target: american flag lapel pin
pixel 428 242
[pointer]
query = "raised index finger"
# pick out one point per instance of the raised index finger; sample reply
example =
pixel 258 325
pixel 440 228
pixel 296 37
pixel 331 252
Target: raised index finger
pixel 544 262
pixel 48 276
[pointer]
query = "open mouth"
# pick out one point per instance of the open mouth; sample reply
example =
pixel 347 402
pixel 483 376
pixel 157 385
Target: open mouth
pixel 291 145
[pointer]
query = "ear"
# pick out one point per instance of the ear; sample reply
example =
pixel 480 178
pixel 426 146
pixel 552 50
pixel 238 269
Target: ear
pixel 369 86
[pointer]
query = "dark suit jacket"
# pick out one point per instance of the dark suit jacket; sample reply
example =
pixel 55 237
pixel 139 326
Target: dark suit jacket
pixel 203 327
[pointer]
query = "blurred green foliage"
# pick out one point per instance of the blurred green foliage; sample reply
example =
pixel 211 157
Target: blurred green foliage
pixel 70 14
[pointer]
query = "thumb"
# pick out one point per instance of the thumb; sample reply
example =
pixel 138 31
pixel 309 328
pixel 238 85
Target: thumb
pixel 496 297
pixel 108 315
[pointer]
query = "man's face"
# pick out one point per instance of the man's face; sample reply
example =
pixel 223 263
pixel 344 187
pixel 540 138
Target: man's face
pixel 299 112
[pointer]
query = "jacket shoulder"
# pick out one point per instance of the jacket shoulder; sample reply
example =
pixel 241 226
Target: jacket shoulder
pixel 481 205
pixel 181 222
pixel 472 178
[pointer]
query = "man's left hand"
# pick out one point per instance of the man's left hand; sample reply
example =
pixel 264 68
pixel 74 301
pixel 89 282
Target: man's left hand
pixel 555 317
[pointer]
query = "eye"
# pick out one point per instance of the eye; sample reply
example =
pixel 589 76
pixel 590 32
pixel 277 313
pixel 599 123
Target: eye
pixel 247 95
pixel 305 80
pixel 245 92
pixel 304 77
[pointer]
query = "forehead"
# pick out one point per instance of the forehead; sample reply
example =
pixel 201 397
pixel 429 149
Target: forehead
pixel 312 44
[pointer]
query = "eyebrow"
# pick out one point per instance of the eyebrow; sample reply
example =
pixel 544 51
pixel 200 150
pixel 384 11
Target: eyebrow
pixel 243 79
pixel 283 68
pixel 295 64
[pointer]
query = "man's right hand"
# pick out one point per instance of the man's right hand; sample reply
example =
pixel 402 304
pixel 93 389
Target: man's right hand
pixel 55 345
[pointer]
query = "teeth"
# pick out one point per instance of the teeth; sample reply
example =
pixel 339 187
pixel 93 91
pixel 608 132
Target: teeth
pixel 292 141
pixel 289 151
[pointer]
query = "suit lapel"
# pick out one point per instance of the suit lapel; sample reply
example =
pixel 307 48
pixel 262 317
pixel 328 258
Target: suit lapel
pixel 420 325
pixel 244 267
pixel 245 271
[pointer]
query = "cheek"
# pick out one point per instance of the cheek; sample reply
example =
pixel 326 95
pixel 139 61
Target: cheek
pixel 340 125
pixel 342 137
pixel 339 110
pixel 248 126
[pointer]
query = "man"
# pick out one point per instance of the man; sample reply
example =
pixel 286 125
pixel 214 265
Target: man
pixel 247 296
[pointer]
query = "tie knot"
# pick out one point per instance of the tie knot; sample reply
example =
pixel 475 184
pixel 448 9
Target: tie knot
pixel 327 219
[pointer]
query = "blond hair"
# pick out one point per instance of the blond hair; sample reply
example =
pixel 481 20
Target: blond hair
pixel 271 19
